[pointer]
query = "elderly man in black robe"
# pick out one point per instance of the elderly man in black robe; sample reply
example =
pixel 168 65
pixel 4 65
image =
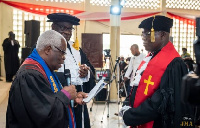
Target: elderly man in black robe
pixel 155 99
pixel 37 99
pixel 11 59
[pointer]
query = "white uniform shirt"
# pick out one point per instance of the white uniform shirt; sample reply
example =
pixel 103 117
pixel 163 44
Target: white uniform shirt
pixel 72 63
pixel 133 65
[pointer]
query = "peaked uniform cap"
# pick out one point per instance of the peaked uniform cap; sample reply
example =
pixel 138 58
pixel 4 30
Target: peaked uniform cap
pixel 63 17
pixel 160 23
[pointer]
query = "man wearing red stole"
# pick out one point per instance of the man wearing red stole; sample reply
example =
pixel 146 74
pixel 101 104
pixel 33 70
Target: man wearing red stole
pixel 155 99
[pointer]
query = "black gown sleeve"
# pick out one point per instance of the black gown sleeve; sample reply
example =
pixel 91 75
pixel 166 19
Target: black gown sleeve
pixel 84 60
pixel 87 86
pixel 17 46
pixel 144 113
pixel 152 108
pixel 6 45
pixel 33 104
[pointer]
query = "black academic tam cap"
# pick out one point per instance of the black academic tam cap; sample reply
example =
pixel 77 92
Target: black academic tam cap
pixel 63 17
pixel 160 23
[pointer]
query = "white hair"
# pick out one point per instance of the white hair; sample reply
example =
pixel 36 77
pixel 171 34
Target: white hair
pixel 49 38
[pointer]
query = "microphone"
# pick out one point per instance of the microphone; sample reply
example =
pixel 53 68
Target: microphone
pixel 67 77
pixel 68 81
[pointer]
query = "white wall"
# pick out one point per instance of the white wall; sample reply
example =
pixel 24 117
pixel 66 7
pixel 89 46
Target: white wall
pixel 127 27
pixel 1 52
pixel 131 27
pixel 96 27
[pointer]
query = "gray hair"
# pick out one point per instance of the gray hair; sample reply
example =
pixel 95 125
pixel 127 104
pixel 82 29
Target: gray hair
pixel 49 38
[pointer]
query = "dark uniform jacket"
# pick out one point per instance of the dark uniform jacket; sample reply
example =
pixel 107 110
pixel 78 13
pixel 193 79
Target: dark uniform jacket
pixel 164 107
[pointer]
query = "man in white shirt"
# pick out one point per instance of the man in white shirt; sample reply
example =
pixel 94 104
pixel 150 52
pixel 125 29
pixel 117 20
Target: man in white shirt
pixel 135 61
pixel 76 61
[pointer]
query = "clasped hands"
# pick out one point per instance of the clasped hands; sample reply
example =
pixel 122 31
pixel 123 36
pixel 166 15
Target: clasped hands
pixel 77 97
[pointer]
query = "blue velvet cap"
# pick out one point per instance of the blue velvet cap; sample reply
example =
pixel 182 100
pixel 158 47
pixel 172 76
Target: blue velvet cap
pixel 160 23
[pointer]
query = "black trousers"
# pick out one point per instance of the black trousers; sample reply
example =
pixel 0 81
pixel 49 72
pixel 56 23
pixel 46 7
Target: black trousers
pixel 78 113
pixel 78 116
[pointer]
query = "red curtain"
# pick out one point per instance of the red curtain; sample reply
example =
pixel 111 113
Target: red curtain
pixel 40 9
pixel 133 17
pixel 185 20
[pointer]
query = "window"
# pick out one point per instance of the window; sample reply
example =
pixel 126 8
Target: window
pixel 183 4
pixel 125 43
pixel 143 4
pixel 18 25
pixel 183 33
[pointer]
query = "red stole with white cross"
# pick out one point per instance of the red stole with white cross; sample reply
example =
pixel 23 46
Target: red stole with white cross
pixel 151 76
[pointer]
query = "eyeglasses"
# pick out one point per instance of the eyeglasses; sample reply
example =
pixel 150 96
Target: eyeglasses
pixel 63 52
pixel 146 34
pixel 64 28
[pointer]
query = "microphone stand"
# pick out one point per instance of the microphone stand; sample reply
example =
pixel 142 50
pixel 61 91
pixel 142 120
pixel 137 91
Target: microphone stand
pixel 121 90
pixel 118 81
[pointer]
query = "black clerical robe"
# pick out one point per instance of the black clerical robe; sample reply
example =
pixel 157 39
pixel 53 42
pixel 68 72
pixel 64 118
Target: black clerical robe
pixel 32 103
pixel 11 59
pixel 87 87
pixel 164 107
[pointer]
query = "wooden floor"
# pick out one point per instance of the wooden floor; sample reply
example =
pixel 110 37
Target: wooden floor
pixel 98 117
pixel 3 107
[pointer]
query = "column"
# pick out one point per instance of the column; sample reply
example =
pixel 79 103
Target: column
pixel 114 46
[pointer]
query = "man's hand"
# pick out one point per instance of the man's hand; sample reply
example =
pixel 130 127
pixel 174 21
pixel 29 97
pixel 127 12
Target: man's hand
pixel 71 90
pixel 16 42
pixel 187 58
pixel 125 79
pixel 83 70
pixel 123 110
pixel 79 98
pixel 121 84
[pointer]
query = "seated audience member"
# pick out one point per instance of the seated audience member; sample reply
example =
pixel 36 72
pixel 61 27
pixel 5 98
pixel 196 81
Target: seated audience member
pixel 185 55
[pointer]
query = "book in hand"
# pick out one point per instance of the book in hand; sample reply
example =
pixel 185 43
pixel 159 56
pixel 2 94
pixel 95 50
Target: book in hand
pixel 99 86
